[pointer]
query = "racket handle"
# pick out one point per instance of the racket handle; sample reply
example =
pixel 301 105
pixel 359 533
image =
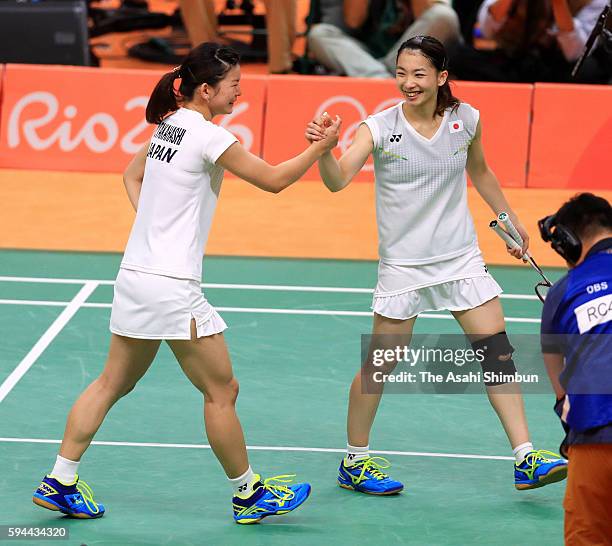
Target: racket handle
pixel 510 242
pixel 504 219
pixel 494 225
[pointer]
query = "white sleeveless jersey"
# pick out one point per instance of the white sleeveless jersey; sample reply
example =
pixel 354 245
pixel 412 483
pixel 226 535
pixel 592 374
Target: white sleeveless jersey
pixel 178 197
pixel 421 187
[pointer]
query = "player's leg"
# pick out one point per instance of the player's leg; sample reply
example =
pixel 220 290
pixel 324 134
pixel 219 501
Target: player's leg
pixel 362 407
pixel 485 326
pixel 359 471
pixel 128 360
pixel 481 323
pixel 206 362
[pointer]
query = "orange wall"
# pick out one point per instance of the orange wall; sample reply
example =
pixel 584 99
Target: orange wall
pixel 91 119
pixel 571 142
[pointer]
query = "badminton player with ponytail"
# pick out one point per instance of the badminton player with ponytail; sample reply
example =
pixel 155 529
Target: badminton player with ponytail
pixel 174 183
pixel 429 255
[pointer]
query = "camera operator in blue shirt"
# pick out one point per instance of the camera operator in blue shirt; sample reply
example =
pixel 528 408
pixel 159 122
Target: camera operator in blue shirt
pixel 576 336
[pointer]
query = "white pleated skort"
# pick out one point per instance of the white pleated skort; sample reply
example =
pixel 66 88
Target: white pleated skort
pixel 149 306
pixel 457 284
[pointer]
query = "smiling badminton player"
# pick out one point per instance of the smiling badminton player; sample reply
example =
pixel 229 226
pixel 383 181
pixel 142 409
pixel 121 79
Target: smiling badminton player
pixel 174 184
pixel 429 255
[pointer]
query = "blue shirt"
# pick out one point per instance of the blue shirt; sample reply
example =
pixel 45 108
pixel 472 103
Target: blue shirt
pixel 577 322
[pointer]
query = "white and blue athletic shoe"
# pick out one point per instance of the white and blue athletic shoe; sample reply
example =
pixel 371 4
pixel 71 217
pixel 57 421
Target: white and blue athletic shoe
pixel 366 476
pixel 74 499
pixel 539 468
pixel 270 498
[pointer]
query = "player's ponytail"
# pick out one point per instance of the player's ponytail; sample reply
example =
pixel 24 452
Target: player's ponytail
pixel 432 49
pixel 163 100
pixel 206 63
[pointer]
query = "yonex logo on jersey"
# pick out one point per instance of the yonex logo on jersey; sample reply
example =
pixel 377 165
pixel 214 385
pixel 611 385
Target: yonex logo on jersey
pixel 455 126
pixel 395 138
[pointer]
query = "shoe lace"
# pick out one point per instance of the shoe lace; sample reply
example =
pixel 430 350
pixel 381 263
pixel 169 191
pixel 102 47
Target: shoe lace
pixel 87 495
pixel 374 465
pixel 274 486
pixel 533 457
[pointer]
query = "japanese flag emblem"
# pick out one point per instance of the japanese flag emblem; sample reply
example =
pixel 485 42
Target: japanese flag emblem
pixel 455 126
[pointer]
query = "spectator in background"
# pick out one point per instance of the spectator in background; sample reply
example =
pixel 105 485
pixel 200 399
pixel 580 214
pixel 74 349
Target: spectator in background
pixel 467 11
pixel 200 21
pixel 577 343
pixel 361 37
pixel 280 22
pixel 537 40
pixel 201 24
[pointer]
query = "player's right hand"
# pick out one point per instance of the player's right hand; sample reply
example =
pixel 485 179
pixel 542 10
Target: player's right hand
pixel 331 134
pixel 519 252
pixel 315 130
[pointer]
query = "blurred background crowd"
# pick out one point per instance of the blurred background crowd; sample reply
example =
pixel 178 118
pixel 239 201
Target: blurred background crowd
pixel 487 40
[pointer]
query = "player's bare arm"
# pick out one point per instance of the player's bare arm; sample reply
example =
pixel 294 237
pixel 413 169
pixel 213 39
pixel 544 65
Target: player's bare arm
pixel 487 185
pixel 134 174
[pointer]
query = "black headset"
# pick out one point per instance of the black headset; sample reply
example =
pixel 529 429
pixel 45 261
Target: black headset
pixel 562 239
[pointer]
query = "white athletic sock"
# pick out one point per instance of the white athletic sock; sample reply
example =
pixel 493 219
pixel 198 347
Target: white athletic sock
pixel 243 485
pixel 65 470
pixel 354 454
pixel 520 451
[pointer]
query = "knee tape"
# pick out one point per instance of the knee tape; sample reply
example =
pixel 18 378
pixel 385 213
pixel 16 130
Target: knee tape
pixel 497 364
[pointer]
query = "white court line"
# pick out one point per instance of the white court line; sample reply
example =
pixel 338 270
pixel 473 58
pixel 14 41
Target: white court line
pixel 273 287
pixel 53 280
pixel 288 288
pixel 262 310
pixel 266 448
pixel 42 303
pixel 71 308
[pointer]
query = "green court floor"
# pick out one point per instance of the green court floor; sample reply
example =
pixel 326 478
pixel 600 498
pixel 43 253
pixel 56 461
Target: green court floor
pixel 294 352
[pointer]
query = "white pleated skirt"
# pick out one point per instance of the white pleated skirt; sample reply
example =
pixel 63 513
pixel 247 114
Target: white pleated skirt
pixel 148 306
pixel 458 284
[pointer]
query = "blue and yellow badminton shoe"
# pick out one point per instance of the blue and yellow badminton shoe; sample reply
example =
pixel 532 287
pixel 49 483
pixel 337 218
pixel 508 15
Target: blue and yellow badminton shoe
pixel 365 476
pixel 539 468
pixel 270 498
pixel 75 499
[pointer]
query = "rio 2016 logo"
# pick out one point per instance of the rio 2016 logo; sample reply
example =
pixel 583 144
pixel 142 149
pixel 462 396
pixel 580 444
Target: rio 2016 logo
pixel 100 133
